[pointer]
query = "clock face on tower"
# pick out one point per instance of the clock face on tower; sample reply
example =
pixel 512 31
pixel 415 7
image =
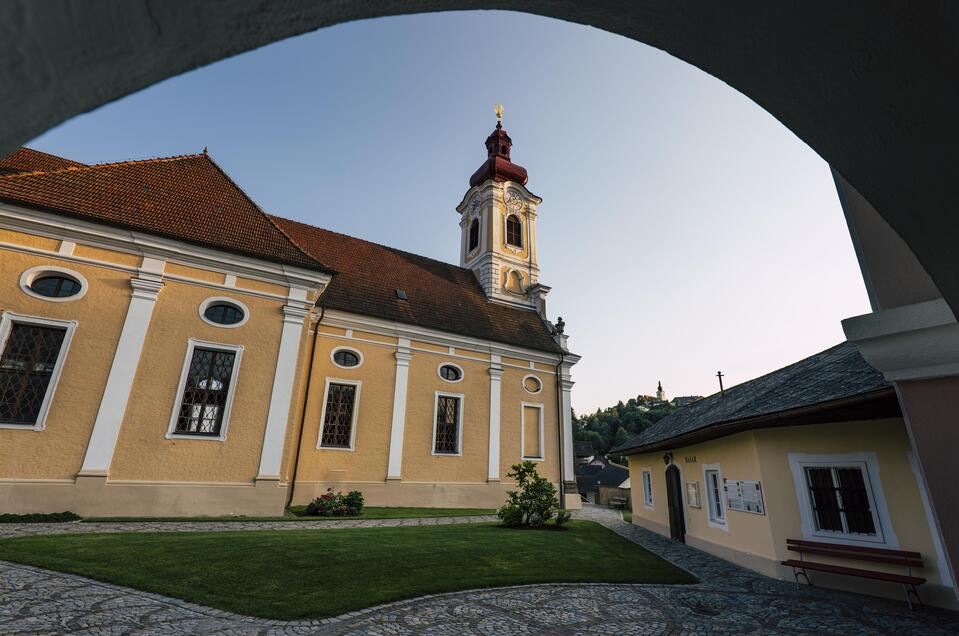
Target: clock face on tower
pixel 513 202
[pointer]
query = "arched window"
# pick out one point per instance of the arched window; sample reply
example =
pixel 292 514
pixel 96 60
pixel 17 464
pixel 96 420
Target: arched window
pixel 514 231
pixel 474 236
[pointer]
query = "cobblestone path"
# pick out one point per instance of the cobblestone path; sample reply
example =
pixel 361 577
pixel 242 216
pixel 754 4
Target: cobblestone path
pixel 728 600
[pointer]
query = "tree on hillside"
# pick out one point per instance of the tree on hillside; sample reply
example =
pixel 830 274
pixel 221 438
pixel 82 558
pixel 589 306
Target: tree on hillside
pixel 616 425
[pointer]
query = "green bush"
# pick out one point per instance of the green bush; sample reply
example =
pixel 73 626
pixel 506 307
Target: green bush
pixel 562 516
pixel 337 504
pixel 534 503
pixel 40 517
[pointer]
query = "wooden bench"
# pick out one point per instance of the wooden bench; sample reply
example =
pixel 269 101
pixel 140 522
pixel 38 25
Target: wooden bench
pixel 858 553
pixel 617 502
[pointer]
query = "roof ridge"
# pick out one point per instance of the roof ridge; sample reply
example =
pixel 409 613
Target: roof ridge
pixel 96 166
pixel 47 154
pixel 388 247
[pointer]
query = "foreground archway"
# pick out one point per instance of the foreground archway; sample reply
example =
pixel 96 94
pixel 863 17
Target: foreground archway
pixel 871 90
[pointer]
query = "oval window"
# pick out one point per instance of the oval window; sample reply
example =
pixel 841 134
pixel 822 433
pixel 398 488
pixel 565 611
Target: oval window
pixel 55 286
pixel 532 384
pixel 224 314
pixel 346 358
pixel 450 373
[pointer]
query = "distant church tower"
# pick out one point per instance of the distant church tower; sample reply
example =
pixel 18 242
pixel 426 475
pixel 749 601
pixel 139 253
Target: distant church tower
pixel 498 222
pixel 660 394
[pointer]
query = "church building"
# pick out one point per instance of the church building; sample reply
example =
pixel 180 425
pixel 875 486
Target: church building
pixel 169 348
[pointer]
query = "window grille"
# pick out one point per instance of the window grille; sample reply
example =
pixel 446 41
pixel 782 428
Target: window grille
pixel 840 500
pixel 338 421
pixel 447 425
pixel 514 231
pixel 206 391
pixel 26 367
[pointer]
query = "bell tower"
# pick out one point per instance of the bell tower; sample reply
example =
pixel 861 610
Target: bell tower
pixel 498 223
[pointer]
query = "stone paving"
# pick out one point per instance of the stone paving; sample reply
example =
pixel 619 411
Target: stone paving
pixel 728 600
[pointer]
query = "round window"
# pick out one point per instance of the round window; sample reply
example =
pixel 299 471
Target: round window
pixel 55 286
pixel 532 384
pixel 346 358
pixel 224 314
pixel 450 373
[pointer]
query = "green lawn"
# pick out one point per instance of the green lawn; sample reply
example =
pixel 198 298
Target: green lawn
pixel 297 574
pixel 300 515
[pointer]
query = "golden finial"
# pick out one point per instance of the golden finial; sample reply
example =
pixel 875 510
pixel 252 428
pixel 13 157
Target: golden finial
pixel 498 109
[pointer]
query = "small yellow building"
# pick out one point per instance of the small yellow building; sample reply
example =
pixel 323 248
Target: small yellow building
pixel 817 451
pixel 167 348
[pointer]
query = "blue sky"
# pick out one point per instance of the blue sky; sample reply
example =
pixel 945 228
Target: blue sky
pixel 683 229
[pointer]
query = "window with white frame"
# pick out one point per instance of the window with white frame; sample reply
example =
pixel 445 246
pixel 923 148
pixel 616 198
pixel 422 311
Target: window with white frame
pixel 532 432
pixel 647 488
pixel 448 424
pixel 206 390
pixel 32 352
pixel 714 496
pixel 340 406
pixel 841 500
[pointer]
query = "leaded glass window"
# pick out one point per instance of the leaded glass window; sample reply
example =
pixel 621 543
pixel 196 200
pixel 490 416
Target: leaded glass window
pixel 840 500
pixel 514 231
pixel 206 392
pixel 26 367
pixel 338 419
pixel 447 425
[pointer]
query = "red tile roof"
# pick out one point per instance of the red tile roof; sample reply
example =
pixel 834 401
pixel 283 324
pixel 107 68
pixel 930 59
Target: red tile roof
pixel 441 296
pixel 29 160
pixel 188 198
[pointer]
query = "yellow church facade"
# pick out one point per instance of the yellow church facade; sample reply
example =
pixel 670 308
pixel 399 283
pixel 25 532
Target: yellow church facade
pixel 167 348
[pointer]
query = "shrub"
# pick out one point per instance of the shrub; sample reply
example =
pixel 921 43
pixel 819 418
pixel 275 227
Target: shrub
pixel 535 501
pixel 562 516
pixel 40 517
pixel 336 504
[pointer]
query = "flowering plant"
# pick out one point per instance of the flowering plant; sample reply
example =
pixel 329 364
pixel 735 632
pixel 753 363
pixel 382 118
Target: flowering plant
pixel 336 504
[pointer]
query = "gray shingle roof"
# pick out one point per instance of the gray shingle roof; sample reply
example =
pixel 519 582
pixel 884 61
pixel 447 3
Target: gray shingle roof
pixel 836 373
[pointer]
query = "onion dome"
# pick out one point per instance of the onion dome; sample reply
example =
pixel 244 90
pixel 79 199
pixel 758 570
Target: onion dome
pixel 498 166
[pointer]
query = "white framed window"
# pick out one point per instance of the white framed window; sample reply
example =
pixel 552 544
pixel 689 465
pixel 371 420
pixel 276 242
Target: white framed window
pixel 840 498
pixel 532 431
pixel 346 357
pixel 341 407
pixel 513 231
pixel 205 392
pixel 32 353
pixel 648 488
pixel 55 284
pixel 715 502
pixel 448 424
pixel 532 384
pixel 221 311
pixel 450 372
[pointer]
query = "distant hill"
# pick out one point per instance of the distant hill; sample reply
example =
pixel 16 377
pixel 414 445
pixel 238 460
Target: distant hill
pixel 614 425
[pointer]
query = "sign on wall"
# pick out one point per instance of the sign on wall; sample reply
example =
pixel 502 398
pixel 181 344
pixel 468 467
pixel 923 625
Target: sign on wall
pixel 692 494
pixel 745 496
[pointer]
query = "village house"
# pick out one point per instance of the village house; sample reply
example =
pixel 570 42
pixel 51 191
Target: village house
pixel 169 348
pixel 816 452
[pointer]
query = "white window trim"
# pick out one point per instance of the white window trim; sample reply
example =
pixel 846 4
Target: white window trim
pixel 439 374
pixel 356 412
pixel 459 429
pixel 537 378
pixel 6 325
pixel 192 344
pixel 356 352
pixel 522 231
pixel 30 275
pixel 721 524
pixel 213 300
pixel 885 536
pixel 522 432
pixel 647 475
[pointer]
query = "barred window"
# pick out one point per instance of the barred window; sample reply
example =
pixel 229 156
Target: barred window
pixel 338 416
pixel 473 236
pixel 205 392
pixel 26 368
pixel 840 500
pixel 446 433
pixel 514 231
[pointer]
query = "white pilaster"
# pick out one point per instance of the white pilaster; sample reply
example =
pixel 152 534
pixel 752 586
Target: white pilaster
pixel 495 377
pixel 116 393
pixel 403 356
pixel 566 386
pixel 271 454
